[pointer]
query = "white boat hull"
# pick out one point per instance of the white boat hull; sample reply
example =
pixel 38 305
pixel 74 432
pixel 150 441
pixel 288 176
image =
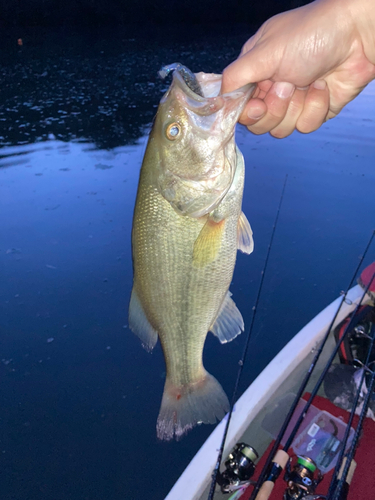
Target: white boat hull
pixel 282 375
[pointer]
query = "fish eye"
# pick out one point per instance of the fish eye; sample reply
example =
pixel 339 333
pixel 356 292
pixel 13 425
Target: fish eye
pixel 173 131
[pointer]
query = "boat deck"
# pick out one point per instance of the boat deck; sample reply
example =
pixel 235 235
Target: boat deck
pixel 363 480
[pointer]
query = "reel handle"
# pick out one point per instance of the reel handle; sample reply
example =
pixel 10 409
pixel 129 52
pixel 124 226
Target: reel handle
pixel 280 460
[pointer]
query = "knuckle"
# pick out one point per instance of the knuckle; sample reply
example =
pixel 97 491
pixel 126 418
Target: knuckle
pixel 276 115
pixel 313 115
pixel 276 109
pixel 255 131
pixel 265 125
pixel 303 130
pixel 307 126
pixel 281 133
pixel 227 77
pixel 316 104
pixel 295 108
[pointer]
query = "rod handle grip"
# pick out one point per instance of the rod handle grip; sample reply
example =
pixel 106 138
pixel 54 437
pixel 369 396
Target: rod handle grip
pixel 351 470
pixel 265 490
pixel 281 459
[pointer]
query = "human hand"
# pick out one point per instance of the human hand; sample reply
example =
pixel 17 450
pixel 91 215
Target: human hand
pixel 308 64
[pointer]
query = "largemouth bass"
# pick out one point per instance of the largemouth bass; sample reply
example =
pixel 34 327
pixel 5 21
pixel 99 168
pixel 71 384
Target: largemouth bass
pixel 187 227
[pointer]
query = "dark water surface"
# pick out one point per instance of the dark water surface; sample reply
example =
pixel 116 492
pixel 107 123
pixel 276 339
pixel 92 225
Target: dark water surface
pixel 79 396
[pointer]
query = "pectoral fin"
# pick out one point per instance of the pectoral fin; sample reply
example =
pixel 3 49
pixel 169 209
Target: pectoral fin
pixel 139 324
pixel 208 243
pixel 229 322
pixel 245 241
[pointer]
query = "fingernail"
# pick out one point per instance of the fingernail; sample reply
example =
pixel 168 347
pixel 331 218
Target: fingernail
pixel 320 84
pixel 283 89
pixel 255 114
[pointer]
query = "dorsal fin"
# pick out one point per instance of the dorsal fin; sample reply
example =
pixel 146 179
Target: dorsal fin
pixel 229 322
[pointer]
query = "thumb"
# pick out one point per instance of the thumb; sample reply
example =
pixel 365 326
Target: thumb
pixel 252 67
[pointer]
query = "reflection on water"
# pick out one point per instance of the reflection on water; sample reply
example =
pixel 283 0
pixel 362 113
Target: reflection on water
pixel 79 396
pixel 102 89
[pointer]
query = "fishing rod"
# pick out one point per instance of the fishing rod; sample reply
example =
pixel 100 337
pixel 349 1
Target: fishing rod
pixel 303 385
pixel 274 472
pixel 353 448
pixel 277 468
pixel 335 477
pixel 354 319
pixel 247 342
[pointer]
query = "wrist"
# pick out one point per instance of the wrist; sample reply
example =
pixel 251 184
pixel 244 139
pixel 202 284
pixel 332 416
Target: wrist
pixel 362 12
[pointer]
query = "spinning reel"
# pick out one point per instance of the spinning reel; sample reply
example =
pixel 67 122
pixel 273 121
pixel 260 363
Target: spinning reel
pixel 239 468
pixel 302 479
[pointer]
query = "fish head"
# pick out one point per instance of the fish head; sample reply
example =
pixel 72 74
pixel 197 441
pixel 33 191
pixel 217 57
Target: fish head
pixel 196 148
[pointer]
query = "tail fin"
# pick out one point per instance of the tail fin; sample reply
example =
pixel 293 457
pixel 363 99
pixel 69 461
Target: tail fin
pixel 184 407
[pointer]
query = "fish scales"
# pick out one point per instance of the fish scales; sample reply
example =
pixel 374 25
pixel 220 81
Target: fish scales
pixel 180 286
pixel 181 301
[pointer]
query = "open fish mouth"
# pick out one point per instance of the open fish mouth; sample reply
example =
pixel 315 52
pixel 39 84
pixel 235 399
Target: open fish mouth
pixel 201 93
pixel 201 86
pixel 187 75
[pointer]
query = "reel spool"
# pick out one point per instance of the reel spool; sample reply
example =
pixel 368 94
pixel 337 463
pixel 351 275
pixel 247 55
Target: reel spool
pixel 302 479
pixel 239 467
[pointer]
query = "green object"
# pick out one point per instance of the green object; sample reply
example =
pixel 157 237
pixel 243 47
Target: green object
pixel 307 462
pixel 249 453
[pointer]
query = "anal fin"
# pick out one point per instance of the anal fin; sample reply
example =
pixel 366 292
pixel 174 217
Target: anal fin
pixel 139 324
pixel 245 241
pixel 229 322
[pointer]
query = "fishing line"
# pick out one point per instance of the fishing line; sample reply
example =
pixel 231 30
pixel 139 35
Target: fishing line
pixel 305 382
pixel 242 360
pixel 334 481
